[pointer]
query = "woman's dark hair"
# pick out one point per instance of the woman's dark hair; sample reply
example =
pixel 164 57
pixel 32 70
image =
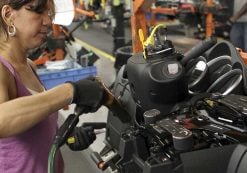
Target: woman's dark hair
pixel 37 6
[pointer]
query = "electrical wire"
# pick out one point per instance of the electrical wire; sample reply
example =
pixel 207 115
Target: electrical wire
pixel 150 40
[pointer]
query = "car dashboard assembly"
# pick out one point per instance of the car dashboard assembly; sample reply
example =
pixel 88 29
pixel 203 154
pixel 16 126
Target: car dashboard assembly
pixel 188 112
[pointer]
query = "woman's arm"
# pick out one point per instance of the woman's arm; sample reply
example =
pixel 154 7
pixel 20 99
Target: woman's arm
pixel 20 114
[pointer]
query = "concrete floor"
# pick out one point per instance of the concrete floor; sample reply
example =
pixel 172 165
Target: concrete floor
pixel 78 162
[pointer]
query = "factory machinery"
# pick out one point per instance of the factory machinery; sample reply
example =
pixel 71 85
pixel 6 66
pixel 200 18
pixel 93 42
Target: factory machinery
pixel 187 112
pixel 171 112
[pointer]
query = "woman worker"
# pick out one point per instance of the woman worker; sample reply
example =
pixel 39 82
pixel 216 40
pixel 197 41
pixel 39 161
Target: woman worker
pixel 28 113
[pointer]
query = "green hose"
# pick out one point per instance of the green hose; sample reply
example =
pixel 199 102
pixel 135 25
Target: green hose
pixel 51 158
pixel 60 138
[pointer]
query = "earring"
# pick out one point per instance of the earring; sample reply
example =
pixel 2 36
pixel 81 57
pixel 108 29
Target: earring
pixel 11 30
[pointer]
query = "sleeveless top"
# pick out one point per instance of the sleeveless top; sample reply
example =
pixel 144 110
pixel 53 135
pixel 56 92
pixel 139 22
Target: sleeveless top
pixel 28 152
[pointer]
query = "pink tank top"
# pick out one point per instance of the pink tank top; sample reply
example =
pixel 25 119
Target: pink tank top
pixel 28 152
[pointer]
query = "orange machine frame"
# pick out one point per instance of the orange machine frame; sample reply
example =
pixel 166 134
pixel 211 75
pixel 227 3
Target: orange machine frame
pixel 161 10
pixel 138 21
pixel 209 19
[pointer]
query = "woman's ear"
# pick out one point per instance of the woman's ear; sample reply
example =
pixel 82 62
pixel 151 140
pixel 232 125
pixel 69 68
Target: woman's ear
pixel 7 13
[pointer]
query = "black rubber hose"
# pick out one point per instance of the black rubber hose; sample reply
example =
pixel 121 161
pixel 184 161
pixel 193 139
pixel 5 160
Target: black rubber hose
pixel 199 49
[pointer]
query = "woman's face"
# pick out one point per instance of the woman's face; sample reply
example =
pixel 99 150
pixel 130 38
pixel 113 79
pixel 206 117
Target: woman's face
pixel 32 27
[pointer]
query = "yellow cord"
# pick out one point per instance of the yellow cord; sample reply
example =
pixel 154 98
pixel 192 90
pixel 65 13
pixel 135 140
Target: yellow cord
pixel 150 39
pixel 141 36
